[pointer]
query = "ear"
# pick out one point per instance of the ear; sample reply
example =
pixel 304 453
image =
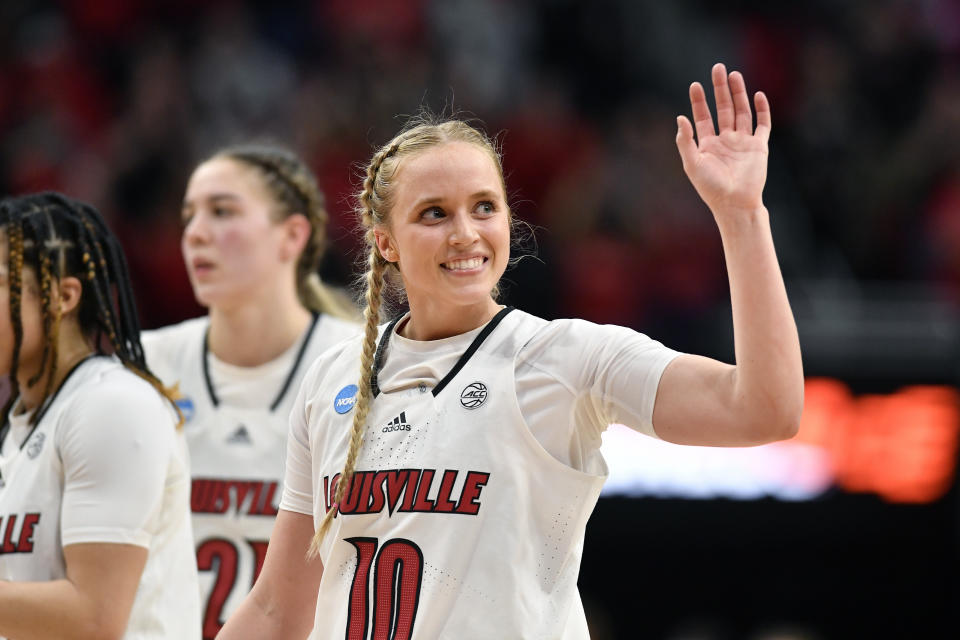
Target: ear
pixel 385 244
pixel 69 291
pixel 296 234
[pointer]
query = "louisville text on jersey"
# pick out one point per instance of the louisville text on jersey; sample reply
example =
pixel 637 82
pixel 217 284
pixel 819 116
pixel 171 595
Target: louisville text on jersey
pixel 409 490
pixel 18 531
pixel 244 497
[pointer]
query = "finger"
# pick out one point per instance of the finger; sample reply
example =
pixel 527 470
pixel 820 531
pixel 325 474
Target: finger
pixel 721 91
pixel 685 142
pixel 764 123
pixel 701 112
pixel 741 103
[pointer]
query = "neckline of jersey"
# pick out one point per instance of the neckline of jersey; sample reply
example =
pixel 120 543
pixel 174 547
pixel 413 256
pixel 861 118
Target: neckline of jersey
pixel 286 383
pixel 42 411
pixel 461 361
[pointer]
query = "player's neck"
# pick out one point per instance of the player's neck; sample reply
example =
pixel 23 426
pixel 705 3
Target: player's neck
pixel 252 334
pixel 72 348
pixel 431 321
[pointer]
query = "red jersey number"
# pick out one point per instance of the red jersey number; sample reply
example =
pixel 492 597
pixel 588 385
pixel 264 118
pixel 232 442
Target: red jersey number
pixel 397 568
pixel 222 556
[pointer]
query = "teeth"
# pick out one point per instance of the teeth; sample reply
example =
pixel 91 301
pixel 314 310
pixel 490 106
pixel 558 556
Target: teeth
pixel 457 265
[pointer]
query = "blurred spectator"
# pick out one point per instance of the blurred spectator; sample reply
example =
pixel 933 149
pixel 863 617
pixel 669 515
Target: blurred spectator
pixel 242 83
pixel 485 51
pixel 110 101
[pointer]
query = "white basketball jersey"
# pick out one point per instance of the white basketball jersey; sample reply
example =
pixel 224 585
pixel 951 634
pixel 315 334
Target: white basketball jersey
pixel 33 514
pixel 236 456
pixel 457 524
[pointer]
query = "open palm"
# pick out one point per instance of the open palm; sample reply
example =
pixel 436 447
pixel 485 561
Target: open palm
pixel 729 168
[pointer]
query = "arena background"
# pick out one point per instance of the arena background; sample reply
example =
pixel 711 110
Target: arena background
pixel 113 101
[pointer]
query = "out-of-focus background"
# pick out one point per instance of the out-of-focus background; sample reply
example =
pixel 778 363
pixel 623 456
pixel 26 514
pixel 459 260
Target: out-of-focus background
pixel 851 530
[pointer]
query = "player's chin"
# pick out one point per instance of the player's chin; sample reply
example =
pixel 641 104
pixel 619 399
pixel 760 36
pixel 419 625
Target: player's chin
pixel 472 295
pixel 210 295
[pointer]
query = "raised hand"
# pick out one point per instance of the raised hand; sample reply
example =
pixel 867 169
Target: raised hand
pixel 729 168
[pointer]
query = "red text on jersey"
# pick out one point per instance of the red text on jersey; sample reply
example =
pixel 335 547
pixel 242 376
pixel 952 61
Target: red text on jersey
pixel 18 530
pixel 246 497
pixel 409 490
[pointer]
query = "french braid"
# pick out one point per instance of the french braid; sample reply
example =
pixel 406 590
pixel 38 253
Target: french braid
pixel 375 281
pixel 374 204
pixel 294 189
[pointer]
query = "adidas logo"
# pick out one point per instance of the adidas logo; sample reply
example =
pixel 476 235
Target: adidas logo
pixel 240 436
pixel 398 424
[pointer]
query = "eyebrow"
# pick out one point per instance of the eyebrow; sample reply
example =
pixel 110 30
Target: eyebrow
pixel 483 193
pixel 212 198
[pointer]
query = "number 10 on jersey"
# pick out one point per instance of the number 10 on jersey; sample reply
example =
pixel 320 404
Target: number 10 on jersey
pixel 397 570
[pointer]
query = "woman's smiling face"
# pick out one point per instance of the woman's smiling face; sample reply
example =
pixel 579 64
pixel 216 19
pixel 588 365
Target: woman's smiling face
pixel 449 227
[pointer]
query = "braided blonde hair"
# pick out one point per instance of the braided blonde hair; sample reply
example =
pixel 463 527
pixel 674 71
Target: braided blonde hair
pixel 374 203
pixel 294 189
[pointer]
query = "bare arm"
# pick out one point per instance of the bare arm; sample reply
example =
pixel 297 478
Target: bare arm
pixel 93 601
pixel 701 401
pixel 283 601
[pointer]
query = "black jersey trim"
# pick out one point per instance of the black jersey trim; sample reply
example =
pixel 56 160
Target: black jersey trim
pixel 472 349
pixel 206 369
pixel 296 363
pixel 378 356
pixel 385 338
pixel 215 400
pixel 5 428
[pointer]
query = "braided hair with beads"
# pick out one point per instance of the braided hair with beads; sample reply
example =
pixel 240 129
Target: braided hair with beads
pixel 58 237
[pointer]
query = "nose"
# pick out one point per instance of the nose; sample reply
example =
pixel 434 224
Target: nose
pixel 196 231
pixel 463 232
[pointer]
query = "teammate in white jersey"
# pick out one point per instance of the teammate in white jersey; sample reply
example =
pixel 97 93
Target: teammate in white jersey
pixel 254 233
pixel 456 503
pixel 94 480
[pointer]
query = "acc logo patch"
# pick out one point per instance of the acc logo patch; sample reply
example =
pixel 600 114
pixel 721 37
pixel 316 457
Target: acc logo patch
pixel 473 395
pixel 186 408
pixel 345 399
pixel 36 445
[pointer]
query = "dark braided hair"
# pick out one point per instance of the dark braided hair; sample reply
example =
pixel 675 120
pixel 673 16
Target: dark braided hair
pixel 58 237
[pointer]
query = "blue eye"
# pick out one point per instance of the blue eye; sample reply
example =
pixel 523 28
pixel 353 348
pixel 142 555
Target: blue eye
pixel 432 213
pixel 485 207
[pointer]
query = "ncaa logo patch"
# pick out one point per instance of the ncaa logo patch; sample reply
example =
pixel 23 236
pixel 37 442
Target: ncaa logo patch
pixel 36 445
pixel 345 399
pixel 473 395
pixel 186 408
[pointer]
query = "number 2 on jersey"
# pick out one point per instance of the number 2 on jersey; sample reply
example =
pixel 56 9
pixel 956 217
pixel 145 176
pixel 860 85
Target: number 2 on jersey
pixel 223 555
pixel 397 573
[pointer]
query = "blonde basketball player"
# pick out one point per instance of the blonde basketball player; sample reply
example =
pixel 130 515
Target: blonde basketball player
pixel 254 232
pixel 94 484
pixel 445 494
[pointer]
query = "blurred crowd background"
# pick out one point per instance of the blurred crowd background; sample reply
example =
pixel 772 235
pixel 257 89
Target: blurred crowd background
pixel 114 101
